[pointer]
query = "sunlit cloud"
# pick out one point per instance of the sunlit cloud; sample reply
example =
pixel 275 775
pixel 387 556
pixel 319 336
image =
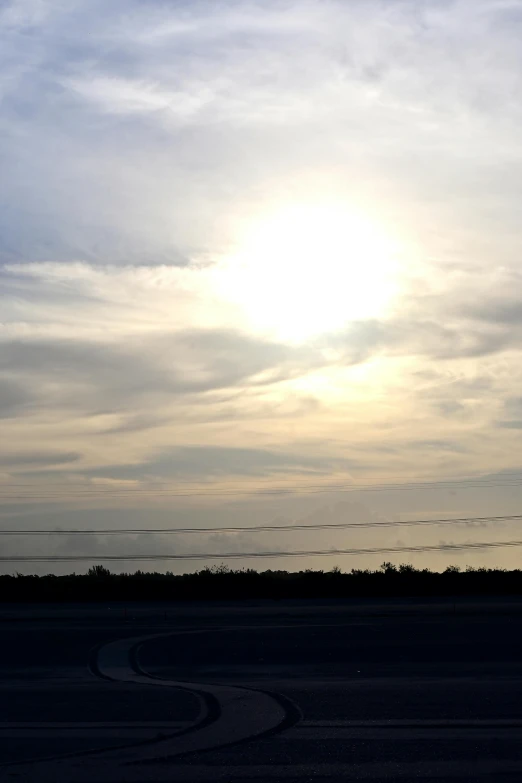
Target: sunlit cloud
pixel 258 242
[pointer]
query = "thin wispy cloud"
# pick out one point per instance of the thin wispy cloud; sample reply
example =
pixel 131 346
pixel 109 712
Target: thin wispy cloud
pixel 259 240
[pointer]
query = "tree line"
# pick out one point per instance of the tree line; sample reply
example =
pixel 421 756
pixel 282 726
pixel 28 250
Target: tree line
pixel 223 583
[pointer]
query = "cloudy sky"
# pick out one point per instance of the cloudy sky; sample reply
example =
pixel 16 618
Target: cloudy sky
pixel 255 246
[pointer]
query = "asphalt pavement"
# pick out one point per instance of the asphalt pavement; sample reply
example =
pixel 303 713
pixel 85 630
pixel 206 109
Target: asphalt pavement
pixel 262 692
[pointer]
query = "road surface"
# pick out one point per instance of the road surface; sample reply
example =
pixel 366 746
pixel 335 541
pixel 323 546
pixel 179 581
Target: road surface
pixel 271 692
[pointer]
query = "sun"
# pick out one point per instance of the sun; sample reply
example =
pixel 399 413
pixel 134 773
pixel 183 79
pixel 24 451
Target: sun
pixel 307 269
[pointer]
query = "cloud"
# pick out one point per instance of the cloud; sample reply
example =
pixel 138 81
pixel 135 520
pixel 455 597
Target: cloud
pixel 139 142
pixel 511 414
pixel 35 459
pixel 14 398
pixel 121 124
pixel 218 461
pixel 143 352
pixel 94 376
pixel 437 445
pixel 511 424
pixel 413 337
pixel 135 97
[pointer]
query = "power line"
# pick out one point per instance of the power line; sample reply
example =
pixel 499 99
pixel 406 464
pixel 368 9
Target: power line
pixel 97 494
pixel 96 489
pixel 364 480
pixel 250 555
pixel 258 481
pixel 261 528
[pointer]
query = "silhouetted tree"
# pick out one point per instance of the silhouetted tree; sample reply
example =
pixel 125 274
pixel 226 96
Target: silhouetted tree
pixel 99 572
pixel 222 582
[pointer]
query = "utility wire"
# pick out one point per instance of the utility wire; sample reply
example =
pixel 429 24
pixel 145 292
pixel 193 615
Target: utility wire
pixel 249 555
pixel 97 494
pixel 260 528
pixel 260 480
pixel 363 480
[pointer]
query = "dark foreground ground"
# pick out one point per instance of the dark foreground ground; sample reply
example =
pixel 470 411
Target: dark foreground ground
pixel 375 692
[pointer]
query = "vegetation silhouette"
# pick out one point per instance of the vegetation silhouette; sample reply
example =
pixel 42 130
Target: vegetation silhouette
pixel 223 583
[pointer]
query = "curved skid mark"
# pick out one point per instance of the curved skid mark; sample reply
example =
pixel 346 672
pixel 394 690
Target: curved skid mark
pixel 243 713
pixel 228 715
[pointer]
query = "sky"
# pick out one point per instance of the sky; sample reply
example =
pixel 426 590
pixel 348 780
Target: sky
pixel 256 247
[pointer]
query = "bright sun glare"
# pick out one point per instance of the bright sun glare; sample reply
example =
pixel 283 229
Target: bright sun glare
pixel 309 269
